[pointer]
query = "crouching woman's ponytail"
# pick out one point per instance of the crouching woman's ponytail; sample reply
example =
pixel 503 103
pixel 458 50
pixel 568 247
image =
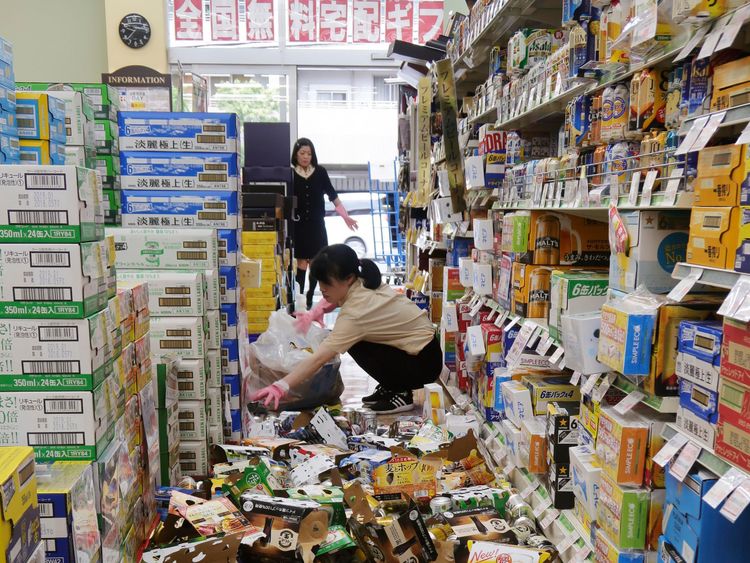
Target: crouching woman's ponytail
pixel 338 262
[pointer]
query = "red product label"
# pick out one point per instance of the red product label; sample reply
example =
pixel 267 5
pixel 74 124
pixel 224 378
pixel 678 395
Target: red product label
pixel 735 353
pixel 733 445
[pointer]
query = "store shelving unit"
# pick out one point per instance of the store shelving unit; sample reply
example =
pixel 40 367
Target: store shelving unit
pixel 707 457
pixel 714 277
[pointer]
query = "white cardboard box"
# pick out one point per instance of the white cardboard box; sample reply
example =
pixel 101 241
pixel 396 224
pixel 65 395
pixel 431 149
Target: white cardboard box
pixel 194 457
pixel 213 293
pixel 49 355
pixel 517 401
pixel 183 337
pixel 193 420
pixel 79 117
pixel 171 293
pixel 49 204
pixel 213 329
pixel 165 249
pixel 191 379
pixel 213 404
pixel 52 280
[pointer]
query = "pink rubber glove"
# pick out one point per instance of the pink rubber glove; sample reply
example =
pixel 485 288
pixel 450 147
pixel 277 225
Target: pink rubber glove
pixel 305 319
pixel 351 223
pixel 272 394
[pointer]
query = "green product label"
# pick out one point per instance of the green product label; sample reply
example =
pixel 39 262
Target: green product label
pixel 41 310
pixel 336 540
pixel 45 382
pixel 44 233
pixel 48 454
pixel 520 240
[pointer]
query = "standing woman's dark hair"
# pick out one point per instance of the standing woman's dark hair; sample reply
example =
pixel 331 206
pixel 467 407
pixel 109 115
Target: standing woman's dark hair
pixel 304 142
pixel 338 262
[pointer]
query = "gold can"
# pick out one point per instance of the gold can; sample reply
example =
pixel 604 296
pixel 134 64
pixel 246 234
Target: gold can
pixel 539 290
pixel 547 241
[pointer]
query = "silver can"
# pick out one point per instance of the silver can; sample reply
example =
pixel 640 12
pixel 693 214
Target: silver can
pixel 523 528
pixel 440 505
pixel 368 421
pixel 351 415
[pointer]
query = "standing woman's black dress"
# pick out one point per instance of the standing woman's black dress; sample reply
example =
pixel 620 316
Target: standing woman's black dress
pixel 310 230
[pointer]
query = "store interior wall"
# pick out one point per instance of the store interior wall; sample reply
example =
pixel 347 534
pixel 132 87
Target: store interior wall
pixel 154 54
pixel 56 41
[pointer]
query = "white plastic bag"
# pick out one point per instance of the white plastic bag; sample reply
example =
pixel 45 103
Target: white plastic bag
pixel 277 352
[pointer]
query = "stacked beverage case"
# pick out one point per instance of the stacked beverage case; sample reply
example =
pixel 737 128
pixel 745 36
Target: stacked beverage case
pixel 181 171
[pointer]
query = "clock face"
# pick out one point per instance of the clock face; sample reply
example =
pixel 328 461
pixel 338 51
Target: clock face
pixel 135 31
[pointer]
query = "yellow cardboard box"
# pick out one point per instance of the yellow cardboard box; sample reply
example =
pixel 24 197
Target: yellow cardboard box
pixel 721 172
pixel 259 250
pixel 251 272
pixel 265 290
pixel 260 303
pixel 259 237
pixel 257 328
pixel 731 84
pixel 714 236
pixel 20 530
pixel 531 290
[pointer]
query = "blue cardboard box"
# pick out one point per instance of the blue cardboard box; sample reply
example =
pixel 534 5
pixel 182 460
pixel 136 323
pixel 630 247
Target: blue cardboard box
pixel 68 512
pixel 230 357
pixel 228 284
pixel 667 553
pixel 179 171
pixel 40 116
pixel 703 402
pixel 42 152
pixel 10 150
pixel 8 99
pixel 228 321
pixel 8 123
pixel 232 385
pixel 162 208
pixel 178 132
pixel 701 339
pixel 229 247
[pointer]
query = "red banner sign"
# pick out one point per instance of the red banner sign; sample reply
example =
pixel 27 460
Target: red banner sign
pixel 399 20
pixel 302 21
pixel 225 20
pixel 366 21
pixel 430 20
pixel 188 20
pixel 260 21
pixel 333 21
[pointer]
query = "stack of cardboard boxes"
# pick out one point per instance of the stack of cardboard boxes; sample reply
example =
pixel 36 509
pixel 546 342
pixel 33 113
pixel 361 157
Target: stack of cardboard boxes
pixel 92 134
pixel 41 127
pixel 180 267
pixel 181 170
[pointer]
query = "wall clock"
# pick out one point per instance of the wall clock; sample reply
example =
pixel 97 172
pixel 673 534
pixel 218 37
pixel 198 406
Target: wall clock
pixel 135 31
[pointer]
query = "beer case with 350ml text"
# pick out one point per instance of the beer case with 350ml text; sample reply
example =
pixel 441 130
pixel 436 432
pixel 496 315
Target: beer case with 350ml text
pixel 165 249
pixel 556 239
pixel 64 281
pixel 49 204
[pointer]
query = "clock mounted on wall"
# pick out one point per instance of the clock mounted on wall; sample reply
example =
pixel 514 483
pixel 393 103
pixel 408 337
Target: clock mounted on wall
pixel 135 31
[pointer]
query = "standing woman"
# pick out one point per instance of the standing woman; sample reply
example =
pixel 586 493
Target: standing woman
pixel 311 182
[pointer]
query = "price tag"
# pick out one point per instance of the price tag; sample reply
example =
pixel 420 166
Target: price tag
pixel 684 462
pixel 635 184
pixel 679 291
pixel 737 303
pixel 536 335
pixel 557 356
pixel 604 386
pixel 501 319
pixel 737 502
pixel 708 131
pixel 479 304
pixel 493 312
pixel 588 386
pixel 567 543
pixel 614 187
pixel 648 187
pixel 527 330
pixel 571 190
pixel 733 28
pixel 631 400
pixel 544 345
pixel 712 39
pixel 475 340
pixel 694 41
pixel 668 450
pixel 692 135
pixel 575 378
pixel 744 137
pixel 558 84
pixel 673 184
pixel 530 488
pixel 550 517
pixel 450 317
pixel 728 482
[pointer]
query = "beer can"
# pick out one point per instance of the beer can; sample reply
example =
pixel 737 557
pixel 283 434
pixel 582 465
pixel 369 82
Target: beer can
pixel 547 240
pixel 538 541
pixel 351 414
pixel 439 505
pixel 523 528
pixel 539 292
pixel 516 508
pixel 368 421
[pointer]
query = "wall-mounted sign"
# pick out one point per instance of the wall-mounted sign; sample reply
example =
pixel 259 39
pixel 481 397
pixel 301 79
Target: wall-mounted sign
pixel 141 88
